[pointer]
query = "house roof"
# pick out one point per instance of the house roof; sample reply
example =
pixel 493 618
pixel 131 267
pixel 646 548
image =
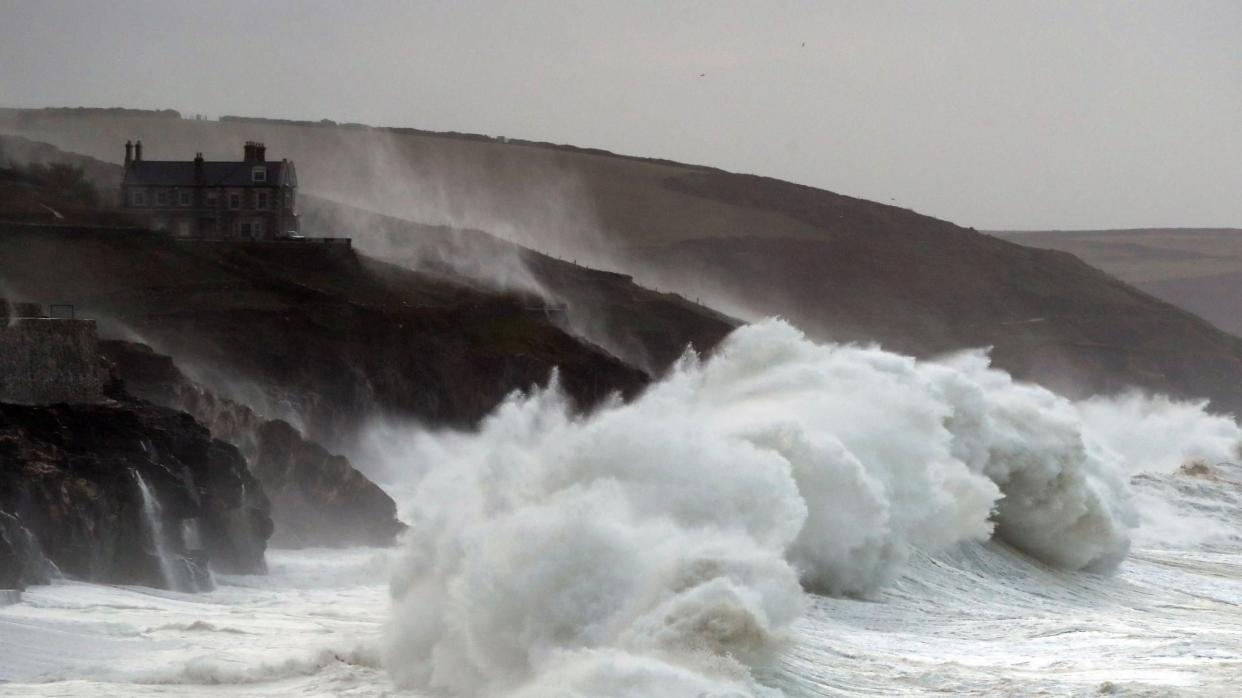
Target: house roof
pixel 176 173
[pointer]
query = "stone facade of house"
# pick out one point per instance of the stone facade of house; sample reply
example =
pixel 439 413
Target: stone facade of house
pixel 249 199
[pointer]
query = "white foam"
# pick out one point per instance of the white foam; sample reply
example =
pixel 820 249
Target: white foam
pixel 1153 433
pixel 673 534
pixel 662 548
pixel 310 627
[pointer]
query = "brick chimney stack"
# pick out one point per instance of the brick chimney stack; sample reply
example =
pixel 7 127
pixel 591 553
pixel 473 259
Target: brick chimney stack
pixel 255 151
pixel 198 168
pixel 138 151
pixel 129 153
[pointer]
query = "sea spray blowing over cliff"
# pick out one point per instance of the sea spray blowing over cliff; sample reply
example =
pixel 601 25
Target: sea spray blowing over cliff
pixel 662 547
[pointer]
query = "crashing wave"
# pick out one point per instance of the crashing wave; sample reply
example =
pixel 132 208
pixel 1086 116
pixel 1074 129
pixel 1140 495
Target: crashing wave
pixel 667 542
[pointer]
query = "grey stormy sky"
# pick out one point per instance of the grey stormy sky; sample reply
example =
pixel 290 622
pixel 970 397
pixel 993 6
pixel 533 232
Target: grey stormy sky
pixel 993 114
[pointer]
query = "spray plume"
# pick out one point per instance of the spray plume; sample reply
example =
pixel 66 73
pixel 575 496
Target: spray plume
pixel 662 547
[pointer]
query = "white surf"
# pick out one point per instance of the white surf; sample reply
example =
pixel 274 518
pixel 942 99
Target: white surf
pixel 785 518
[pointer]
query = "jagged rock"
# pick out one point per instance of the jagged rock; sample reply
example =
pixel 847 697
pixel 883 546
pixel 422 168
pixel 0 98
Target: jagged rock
pixel 21 558
pixel 317 498
pixel 75 475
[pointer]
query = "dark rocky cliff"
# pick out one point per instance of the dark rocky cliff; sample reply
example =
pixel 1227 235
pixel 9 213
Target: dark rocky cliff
pixel 72 481
pixel 290 349
pixel 22 561
pixel 323 338
pixel 328 341
pixel 318 498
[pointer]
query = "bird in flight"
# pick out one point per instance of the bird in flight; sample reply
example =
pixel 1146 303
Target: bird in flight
pixel 702 74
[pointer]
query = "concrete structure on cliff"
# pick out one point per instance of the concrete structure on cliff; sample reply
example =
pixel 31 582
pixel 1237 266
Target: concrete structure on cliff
pixel 250 199
pixel 45 360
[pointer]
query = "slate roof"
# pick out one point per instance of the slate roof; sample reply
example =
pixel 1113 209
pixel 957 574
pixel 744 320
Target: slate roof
pixel 176 173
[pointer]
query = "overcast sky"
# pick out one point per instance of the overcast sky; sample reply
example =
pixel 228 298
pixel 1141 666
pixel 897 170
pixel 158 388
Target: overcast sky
pixel 992 114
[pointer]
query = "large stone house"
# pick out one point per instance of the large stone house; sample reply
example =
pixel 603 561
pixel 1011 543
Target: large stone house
pixel 251 199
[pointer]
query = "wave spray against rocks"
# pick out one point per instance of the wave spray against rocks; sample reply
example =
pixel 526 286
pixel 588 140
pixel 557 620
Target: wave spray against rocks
pixel 663 547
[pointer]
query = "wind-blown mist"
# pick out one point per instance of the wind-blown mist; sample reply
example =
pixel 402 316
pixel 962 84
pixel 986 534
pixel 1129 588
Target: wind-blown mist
pixel 663 547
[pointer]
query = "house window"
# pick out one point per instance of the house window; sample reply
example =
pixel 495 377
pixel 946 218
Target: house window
pixel 258 174
pixel 138 197
pixel 183 228
pixel 258 229
pixel 213 199
pixel 261 199
pixel 185 197
pixel 234 201
pixel 161 197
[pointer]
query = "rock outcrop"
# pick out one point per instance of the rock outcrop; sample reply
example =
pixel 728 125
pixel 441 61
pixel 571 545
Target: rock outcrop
pixel 22 561
pixel 124 492
pixel 317 498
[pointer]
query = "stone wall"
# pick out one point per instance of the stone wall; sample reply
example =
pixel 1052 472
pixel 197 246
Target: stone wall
pixel 44 361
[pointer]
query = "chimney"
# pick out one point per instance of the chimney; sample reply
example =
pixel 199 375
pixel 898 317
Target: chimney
pixel 138 151
pixel 260 152
pixel 198 168
pixel 129 153
pixel 254 151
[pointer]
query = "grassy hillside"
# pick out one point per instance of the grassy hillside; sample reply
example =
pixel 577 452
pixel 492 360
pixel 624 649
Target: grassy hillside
pixel 555 199
pixel 1199 269
pixel 933 287
pixel 647 329
pixel 840 267
pixel 39 183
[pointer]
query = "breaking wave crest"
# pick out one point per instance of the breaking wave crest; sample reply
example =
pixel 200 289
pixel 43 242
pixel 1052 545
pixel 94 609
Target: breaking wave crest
pixel 662 547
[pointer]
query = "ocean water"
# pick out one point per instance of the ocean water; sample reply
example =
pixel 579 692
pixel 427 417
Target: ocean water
pixel 980 620
pixel 784 519
pixel 309 627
